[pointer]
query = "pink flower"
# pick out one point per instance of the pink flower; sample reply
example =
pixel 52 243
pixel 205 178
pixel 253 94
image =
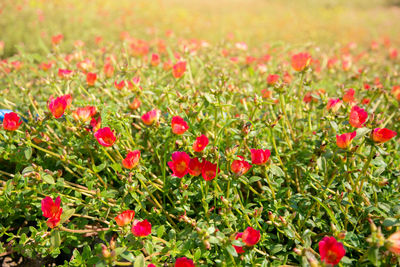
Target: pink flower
pixel 132 159
pixel 51 210
pixel 11 121
pixel 141 228
pixel 179 125
pixel 179 164
pixel 200 143
pixel 344 140
pixel 105 136
pixel 330 250
pixel 358 116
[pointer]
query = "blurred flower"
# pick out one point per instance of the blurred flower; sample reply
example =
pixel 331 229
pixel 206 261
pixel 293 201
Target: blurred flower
pixel 393 244
pixel 95 123
pixel 105 136
pixel 84 114
pixel 200 143
pixel 131 160
pixel 91 78
pixel 51 210
pixel 11 121
pixel 179 125
pixel 125 217
pixel 357 117
pixel 333 104
pixel 301 61
pixel 396 91
pixel 64 73
pixel 141 228
pixel 150 117
pixel 382 135
pixel 46 65
pixel 272 79
pixel 108 70
pixel 240 167
pixel 119 85
pixel 259 156
pixel 179 164
pixel 155 60
pixel 209 170
pixel 135 104
pixel 251 236
pixel 184 262
pixel 349 96
pixel 56 39
pixel 57 106
pixel 330 250
pixel 344 140
pixel 195 167
pixel 179 69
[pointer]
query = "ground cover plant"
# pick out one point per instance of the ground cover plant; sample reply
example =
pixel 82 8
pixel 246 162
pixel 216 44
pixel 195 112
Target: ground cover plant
pixel 173 151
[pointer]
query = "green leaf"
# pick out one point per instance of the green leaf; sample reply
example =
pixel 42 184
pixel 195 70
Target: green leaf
pixel 277 171
pixel 231 250
pixel 361 132
pixel 391 222
pixel 160 231
pixel 128 256
pixel 330 213
pixel 119 250
pixel 28 153
pixel 66 215
pixel 139 261
pixel 254 179
pixel 55 239
pixel 48 179
pixel 100 167
pixel 373 255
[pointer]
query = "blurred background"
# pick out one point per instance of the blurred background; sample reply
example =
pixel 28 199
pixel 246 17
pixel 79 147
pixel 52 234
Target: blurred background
pixel 29 24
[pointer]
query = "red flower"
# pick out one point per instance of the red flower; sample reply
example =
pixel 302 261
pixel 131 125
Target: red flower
pixel 51 210
pixel 155 60
pixel 179 164
pixel 56 39
pixel 300 61
pixel 344 140
pixel 358 116
pixel 108 70
pixel 179 125
pixel 91 78
pixel 95 123
pixel 179 69
pixel 195 167
pixel 333 104
pixel 251 236
pixel 141 228
pixel 125 217
pixel 150 117
pixel 241 166
pixel 394 243
pixel 330 250
pixel 382 135
pixel 259 156
pixel 200 143
pixel 57 106
pixel 209 170
pixel 64 73
pixel 131 160
pixel 105 136
pixel 135 104
pixel 184 262
pixel 11 121
pixel 84 114
pixel 238 249
pixel 272 79
pixel 46 66
pixel 349 96
pixel 119 85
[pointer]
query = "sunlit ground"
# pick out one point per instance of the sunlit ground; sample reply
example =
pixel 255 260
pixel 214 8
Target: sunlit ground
pixel 321 22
